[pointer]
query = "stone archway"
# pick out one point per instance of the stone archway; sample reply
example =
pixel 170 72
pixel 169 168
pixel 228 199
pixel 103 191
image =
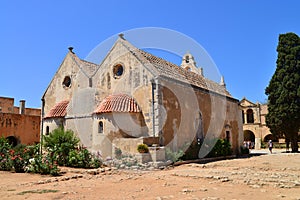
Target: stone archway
pixel 270 137
pixel 12 140
pixel 249 139
pixel 249 136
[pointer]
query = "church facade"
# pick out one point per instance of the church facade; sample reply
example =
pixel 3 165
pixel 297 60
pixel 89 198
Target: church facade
pixel 134 97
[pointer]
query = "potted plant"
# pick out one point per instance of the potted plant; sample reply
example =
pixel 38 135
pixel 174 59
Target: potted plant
pixel 142 148
pixel 118 153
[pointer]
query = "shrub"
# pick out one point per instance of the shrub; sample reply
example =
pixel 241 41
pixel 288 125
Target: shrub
pixel 244 150
pixel 43 165
pixel 118 153
pixel 5 161
pixel 174 156
pixel 222 148
pixel 142 148
pixel 81 158
pixel 192 151
pixel 59 143
pixel 19 157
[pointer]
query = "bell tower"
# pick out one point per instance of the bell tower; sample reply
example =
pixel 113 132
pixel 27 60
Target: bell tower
pixel 189 63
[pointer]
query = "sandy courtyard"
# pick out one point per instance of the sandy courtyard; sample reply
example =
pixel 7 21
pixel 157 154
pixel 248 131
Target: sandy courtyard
pixel 275 176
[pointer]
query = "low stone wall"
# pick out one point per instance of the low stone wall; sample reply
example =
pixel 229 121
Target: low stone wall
pixel 156 154
pixel 128 146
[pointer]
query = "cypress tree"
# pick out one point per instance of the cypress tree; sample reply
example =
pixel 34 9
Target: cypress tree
pixel 283 91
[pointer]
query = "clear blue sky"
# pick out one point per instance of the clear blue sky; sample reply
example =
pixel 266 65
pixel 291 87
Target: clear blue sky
pixel 240 36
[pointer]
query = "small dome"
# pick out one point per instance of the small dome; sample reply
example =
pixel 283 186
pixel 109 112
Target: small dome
pixel 118 103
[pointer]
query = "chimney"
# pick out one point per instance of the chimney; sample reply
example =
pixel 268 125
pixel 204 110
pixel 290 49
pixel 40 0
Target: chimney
pixel 22 107
pixel 222 82
pixel 201 71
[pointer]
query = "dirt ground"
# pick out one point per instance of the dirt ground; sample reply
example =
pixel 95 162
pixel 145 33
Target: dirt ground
pixel 275 176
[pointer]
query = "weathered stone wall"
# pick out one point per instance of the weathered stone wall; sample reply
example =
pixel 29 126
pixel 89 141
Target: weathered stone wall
pixel 182 104
pixel 52 124
pixel 135 80
pixel 116 125
pixel 56 92
pixel 25 128
pixel 7 105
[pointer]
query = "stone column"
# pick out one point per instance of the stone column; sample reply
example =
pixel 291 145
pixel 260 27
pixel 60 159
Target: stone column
pixel 245 117
pixel 257 143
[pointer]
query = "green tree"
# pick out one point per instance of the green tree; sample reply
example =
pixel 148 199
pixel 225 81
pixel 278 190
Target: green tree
pixel 283 91
pixel 59 143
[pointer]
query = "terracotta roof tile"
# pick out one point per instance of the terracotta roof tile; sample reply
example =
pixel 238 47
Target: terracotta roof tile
pixel 118 103
pixel 59 110
pixel 173 71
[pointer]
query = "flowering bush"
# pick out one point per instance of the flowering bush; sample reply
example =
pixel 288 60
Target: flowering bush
pixel 5 161
pixel 43 165
pixel 61 150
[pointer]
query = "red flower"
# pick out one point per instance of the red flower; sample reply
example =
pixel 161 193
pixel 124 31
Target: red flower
pixel 12 152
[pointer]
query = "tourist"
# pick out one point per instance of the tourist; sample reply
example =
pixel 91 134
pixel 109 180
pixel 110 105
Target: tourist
pixel 270 145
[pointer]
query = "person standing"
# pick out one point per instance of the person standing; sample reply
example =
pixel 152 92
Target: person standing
pixel 270 145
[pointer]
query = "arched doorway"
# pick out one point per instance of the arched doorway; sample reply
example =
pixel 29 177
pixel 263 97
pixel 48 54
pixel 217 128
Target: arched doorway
pixel 12 140
pixel 249 139
pixel 270 137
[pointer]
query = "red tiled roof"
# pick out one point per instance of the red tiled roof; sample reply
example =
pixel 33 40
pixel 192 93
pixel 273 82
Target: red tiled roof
pixel 173 71
pixel 59 110
pixel 118 103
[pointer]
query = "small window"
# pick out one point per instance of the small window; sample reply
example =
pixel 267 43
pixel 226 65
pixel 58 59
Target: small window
pixel 228 135
pixel 118 70
pixel 100 127
pixel 67 82
pixel 47 130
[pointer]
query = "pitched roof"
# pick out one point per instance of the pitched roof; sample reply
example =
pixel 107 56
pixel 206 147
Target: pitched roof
pixel 58 110
pixel 117 103
pixel 162 67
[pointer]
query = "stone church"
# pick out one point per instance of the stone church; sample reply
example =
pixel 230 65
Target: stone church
pixel 134 97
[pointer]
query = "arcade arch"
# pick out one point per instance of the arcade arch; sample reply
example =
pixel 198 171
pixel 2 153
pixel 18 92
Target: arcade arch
pixel 12 140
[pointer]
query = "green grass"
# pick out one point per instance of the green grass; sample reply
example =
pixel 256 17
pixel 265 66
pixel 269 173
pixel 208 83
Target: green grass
pixel 37 192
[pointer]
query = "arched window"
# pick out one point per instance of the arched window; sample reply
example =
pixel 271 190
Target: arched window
pixel 100 127
pixel 227 132
pixel 250 117
pixel 67 82
pixel 47 130
pixel 228 135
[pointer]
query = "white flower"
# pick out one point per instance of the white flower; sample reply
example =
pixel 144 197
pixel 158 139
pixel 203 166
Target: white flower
pixel 31 161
